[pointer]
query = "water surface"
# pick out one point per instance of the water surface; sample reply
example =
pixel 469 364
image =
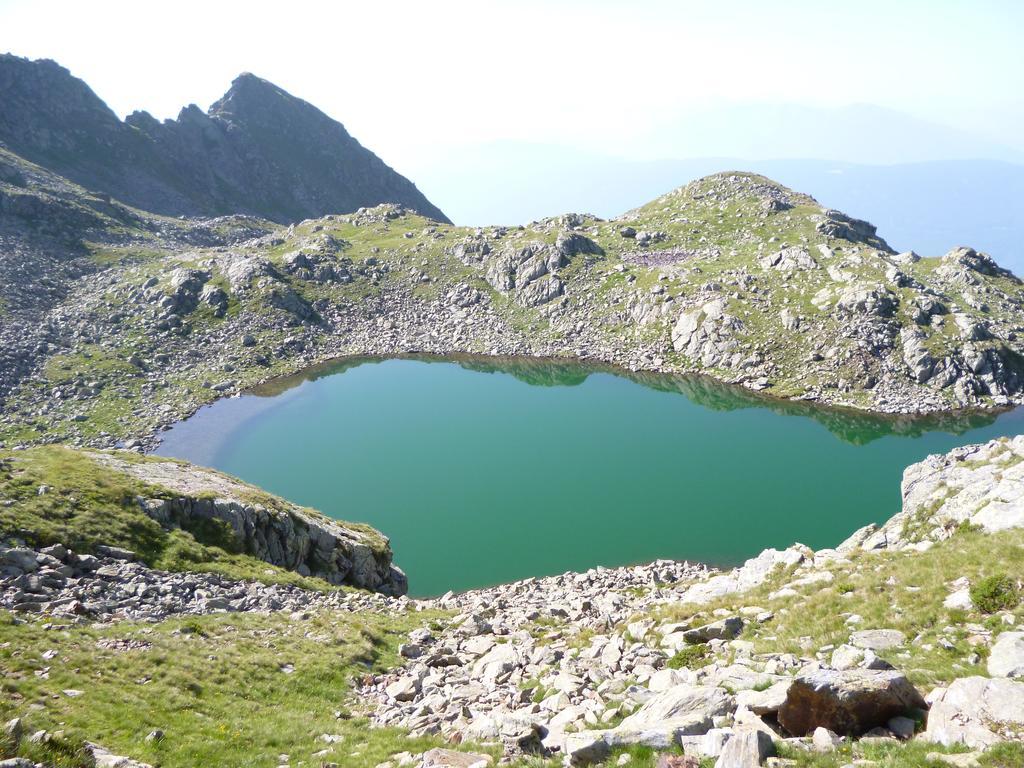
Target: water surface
pixel 483 472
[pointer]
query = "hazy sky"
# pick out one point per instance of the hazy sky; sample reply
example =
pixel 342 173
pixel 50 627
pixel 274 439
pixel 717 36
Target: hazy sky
pixel 605 76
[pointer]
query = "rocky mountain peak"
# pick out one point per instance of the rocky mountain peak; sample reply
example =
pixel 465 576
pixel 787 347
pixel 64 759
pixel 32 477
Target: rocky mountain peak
pixel 258 150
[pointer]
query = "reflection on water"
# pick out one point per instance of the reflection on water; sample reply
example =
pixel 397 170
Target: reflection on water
pixel 490 470
pixel 848 424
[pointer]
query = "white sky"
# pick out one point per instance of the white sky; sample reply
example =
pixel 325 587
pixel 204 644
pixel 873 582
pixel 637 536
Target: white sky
pixel 406 77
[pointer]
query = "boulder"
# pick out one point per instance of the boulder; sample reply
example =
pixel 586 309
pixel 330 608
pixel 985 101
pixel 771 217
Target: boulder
pixel 788 259
pixel 404 689
pixel 746 748
pixel 977 712
pixel 586 748
pixel 848 702
pixel 849 657
pixel 684 709
pixel 878 639
pixel 103 758
pixel 766 702
pixel 824 740
pixel 1006 658
pixel 726 629
pixel 449 758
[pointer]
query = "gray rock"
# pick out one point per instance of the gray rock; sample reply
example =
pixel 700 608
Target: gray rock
pixel 19 557
pixel 725 629
pixel 684 709
pixel 1006 658
pixel 824 740
pixel 878 639
pixel 449 758
pixel 746 748
pixel 405 688
pixel 977 712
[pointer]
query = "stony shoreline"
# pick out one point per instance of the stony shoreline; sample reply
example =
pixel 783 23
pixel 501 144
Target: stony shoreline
pixel 578 665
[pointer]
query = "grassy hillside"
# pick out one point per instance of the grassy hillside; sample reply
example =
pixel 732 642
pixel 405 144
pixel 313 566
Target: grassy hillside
pixel 55 494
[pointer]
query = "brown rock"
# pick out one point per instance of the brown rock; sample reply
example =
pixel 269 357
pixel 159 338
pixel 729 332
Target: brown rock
pixel 848 702
pixel 678 761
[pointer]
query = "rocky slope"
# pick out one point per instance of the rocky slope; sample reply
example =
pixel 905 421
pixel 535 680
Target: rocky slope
pixel 136 320
pixel 257 150
pixel 90 500
pixel 886 650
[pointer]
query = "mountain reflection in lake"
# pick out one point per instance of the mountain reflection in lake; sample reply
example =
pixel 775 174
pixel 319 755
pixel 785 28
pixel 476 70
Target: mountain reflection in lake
pixel 488 470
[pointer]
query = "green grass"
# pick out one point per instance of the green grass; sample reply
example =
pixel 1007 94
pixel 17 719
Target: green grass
pixel 215 685
pixel 87 505
pixel 691 657
pixel 911 754
pixel 817 617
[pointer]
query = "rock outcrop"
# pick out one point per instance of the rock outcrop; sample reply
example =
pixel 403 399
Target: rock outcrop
pixel 264 526
pixel 979 485
pixel 976 712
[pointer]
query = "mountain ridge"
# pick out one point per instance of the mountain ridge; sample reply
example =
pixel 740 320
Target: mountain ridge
pixel 258 150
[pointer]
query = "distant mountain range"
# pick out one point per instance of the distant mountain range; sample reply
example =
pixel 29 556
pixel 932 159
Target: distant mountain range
pixel 928 206
pixel 257 150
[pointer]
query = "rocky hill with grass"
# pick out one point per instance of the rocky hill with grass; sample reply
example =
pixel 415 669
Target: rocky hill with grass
pixel 175 643
pixel 119 321
pixel 257 150
pixel 154 613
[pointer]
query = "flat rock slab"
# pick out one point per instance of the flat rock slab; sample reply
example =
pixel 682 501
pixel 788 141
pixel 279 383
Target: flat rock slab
pixel 746 748
pixel 878 639
pixel 1006 658
pixel 450 758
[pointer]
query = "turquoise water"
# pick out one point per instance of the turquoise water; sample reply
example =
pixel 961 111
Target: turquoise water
pixel 482 473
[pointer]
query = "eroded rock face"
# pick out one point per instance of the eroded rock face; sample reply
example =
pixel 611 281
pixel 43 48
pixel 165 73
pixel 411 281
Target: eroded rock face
pixel 839 225
pixel 870 301
pixel 978 484
pixel 529 272
pixel 788 260
pixel 708 334
pixel 848 702
pixel 277 532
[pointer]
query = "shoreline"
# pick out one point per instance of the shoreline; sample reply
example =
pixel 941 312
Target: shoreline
pixel 151 440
